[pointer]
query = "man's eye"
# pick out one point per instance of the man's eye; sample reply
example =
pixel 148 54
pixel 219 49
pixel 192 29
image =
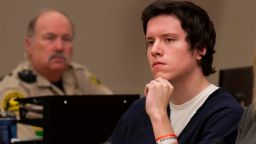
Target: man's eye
pixel 149 42
pixel 169 39
pixel 67 39
pixel 49 37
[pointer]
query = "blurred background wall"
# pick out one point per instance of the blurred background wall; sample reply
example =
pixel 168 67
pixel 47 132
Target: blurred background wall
pixel 110 41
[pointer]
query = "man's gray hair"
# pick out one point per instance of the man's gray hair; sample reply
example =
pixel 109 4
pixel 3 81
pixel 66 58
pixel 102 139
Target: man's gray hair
pixel 33 21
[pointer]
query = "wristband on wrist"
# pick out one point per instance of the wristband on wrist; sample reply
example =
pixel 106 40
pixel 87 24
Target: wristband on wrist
pixel 167 139
pixel 167 135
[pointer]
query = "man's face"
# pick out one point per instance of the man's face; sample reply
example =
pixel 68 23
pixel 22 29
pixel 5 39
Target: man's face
pixel 168 52
pixel 50 47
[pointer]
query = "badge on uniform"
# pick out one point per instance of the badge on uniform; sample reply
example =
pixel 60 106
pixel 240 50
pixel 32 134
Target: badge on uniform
pixel 95 80
pixel 9 102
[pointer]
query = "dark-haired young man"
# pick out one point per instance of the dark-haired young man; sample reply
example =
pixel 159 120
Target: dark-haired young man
pixel 180 104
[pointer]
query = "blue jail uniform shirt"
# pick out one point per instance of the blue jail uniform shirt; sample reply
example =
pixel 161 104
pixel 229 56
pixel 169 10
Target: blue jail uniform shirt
pixel 215 122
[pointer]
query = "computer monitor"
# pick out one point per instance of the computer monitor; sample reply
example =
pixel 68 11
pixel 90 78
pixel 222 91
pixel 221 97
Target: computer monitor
pixel 81 119
pixel 239 82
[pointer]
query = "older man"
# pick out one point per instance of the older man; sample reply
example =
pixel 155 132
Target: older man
pixel 48 70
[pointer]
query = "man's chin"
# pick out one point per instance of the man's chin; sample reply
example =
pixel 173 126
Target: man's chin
pixel 157 75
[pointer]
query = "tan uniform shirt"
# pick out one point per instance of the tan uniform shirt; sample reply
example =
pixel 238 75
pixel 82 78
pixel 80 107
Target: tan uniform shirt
pixel 77 80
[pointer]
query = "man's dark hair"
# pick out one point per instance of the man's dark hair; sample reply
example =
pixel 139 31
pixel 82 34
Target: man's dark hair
pixel 194 21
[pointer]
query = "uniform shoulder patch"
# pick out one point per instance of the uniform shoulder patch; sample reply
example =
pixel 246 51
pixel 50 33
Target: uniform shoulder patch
pixel 9 102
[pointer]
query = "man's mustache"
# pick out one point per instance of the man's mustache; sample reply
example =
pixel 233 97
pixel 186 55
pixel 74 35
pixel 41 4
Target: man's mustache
pixel 58 55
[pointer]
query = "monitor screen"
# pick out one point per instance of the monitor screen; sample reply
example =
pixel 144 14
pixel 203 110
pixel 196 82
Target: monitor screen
pixel 239 82
pixel 81 119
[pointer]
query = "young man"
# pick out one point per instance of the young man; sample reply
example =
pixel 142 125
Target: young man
pixel 49 69
pixel 180 105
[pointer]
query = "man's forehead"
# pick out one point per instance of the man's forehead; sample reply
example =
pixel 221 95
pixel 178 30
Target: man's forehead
pixel 51 22
pixel 51 17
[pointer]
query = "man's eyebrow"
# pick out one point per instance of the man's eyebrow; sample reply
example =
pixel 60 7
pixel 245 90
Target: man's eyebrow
pixel 163 35
pixel 49 33
pixel 169 34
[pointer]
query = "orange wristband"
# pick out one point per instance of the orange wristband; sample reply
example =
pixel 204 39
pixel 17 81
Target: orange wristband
pixel 164 136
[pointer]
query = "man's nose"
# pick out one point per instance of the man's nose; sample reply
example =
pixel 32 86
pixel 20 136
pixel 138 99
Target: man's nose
pixel 157 49
pixel 59 44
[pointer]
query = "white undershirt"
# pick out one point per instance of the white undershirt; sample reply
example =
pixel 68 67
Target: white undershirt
pixel 181 114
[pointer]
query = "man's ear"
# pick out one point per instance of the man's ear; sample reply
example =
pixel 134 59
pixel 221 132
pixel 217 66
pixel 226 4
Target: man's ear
pixel 201 53
pixel 28 43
